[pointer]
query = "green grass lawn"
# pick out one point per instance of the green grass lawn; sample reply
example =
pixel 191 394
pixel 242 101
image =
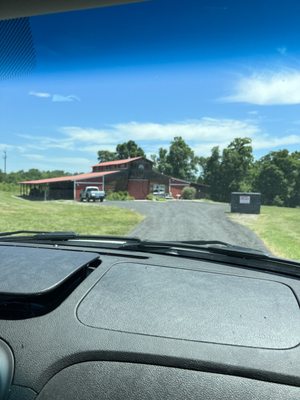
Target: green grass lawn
pixel 19 214
pixel 278 227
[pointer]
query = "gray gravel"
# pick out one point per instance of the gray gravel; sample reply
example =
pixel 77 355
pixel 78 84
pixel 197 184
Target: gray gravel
pixel 188 220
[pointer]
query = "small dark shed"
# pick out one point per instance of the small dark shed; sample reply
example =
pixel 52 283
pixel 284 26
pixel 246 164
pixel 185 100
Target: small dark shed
pixel 245 202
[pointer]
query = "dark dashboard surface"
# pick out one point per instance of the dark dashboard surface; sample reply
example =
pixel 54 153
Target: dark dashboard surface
pixel 29 271
pixel 193 305
pixel 148 326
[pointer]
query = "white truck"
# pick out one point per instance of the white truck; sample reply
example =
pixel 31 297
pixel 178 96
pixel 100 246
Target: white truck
pixel 92 193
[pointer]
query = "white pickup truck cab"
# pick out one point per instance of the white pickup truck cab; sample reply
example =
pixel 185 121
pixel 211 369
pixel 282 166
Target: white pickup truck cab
pixel 92 193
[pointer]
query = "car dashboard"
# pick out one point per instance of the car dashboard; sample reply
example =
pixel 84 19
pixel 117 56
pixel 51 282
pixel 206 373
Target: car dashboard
pixel 82 323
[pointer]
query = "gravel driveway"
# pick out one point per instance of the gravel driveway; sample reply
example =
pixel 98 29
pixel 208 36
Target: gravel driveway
pixel 188 220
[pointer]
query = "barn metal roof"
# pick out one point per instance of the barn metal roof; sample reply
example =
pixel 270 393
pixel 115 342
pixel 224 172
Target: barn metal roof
pixel 70 178
pixel 179 181
pixel 118 162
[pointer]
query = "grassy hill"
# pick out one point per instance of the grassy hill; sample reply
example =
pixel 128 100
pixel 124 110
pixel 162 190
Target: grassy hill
pixel 19 214
pixel 278 227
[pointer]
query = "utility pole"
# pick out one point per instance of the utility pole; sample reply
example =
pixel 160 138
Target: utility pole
pixel 5 158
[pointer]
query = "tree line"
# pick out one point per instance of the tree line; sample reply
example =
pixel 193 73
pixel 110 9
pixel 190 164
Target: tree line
pixel 31 174
pixel 276 175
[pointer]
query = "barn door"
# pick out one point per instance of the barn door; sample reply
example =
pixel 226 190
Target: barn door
pixel 138 188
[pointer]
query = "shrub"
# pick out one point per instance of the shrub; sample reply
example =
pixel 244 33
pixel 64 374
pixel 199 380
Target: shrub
pixel 152 197
pixel 157 198
pixel 119 196
pixel 188 193
pixel 9 187
pixel 278 201
pixel 112 196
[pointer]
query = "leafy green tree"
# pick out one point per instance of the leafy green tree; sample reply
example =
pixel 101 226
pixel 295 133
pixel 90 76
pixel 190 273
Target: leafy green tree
pixel 188 193
pixel 284 161
pixel 161 162
pixel 293 177
pixel 235 167
pixel 276 175
pixel 232 171
pixel 272 184
pixel 55 173
pixel 128 150
pixel 182 159
pixel 279 177
pixel 105 155
pixel 179 161
pixel 34 173
pixel 295 196
pixel 2 176
pixel 211 168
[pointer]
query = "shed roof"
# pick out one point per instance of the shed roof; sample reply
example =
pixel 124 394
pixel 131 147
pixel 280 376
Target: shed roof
pixel 179 181
pixel 70 178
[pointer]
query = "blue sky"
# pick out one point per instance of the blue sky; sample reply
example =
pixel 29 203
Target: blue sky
pixel 205 70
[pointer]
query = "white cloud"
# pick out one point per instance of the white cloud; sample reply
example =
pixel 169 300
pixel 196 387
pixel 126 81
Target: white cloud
pixel 45 142
pixel 10 148
pixel 34 157
pixel 259 142
pixel 269 142
pixel 40 94
pixel 204 129
pixel 201 135
pixel 269 88
pixel 4 147
pixel 90 135
pixel 58 98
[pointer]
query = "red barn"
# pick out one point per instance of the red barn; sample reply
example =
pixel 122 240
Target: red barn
pixel 135 175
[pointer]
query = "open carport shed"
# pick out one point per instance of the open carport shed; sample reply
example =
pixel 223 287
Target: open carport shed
pixel 68 187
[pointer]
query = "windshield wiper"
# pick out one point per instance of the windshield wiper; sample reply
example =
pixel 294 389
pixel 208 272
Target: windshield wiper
pixel 56 236
pixel 212 250
pixel 217 251
pixel 37 235
pixel 135 244
pixel 212 246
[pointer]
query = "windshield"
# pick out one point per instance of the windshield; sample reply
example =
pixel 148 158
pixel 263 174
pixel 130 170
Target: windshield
pixel 184 113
